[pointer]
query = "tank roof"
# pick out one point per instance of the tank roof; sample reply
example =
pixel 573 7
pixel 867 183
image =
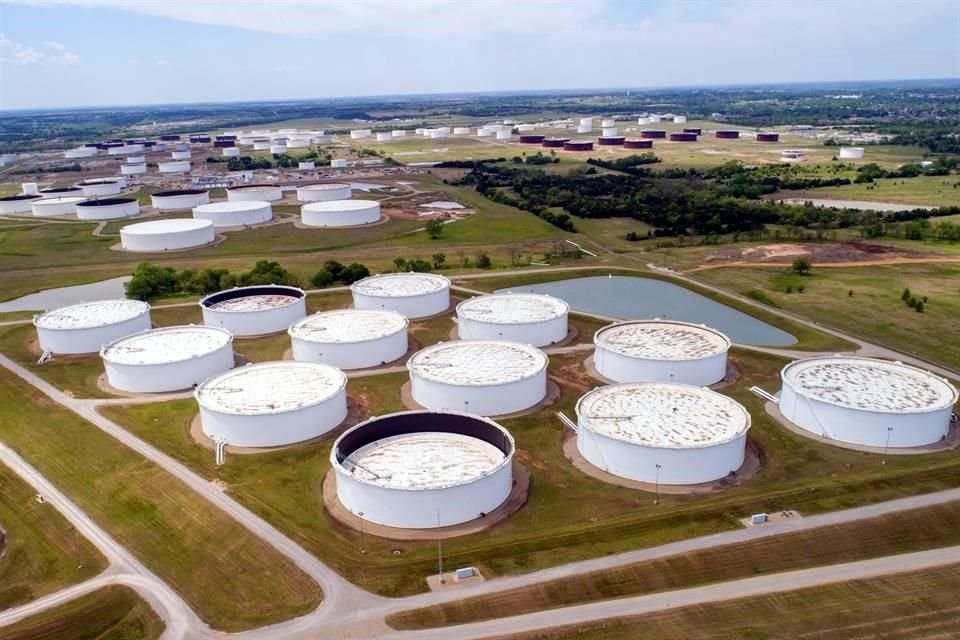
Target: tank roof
pixel 400 285
pixel 348 325
pixel 87 315
pixel 51 201
pixel 231 206
pixel 270 387
pixel 171 225
pixel 870 385
pixel 325 186
pixel 426 460
pixel 477 362
pixel 662 340
pixel 657 414
pixel 512 308
pixel 166 345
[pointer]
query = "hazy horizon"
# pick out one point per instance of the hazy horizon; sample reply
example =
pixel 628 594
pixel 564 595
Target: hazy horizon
pixel 109 53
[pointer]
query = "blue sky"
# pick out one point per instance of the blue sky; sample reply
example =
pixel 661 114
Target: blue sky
pixel 111 52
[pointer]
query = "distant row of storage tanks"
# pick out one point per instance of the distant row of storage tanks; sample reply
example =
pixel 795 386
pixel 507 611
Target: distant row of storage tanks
pixel 655 422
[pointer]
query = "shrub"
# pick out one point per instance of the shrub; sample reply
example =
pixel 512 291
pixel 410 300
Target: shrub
pixel 434 228
pixel 322 279
pixel 483 260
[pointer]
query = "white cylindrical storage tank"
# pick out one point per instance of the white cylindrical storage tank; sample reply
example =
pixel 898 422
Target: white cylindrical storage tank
pixel 461 131
pixel 485 377
pixel 306 166
pixel 135 160
pixel 324 192
pixel 586 122
pixel 86 327
pixel 350 338
pixel 415 295
pixel 525 127
pixel 261 145
pixel 398 133
pixel 272 404
pixel 504 135
pixel 298 143
pixel 610 132
pixel 654 118
pixel 662 433
pixel 679 119
pixel 18 204
pixel 179 199
pixel 583 129
pixel 864 401
pixel 661 351
pixel 642 121
pixel 528 318
pixel 234 214
pixel 437 133
pixel 338 163
pixel 340 213
pixel 359 134
pixel 167 359
pixel 384 136
pixel 278 149
pixel 180 155
pixel 174 166
pixel 108 208
pixel 133 169
pixel 483 132
pixel 254 311
pixel 80 152
pixel 231 152
pixel 60 192
pixel 256 192
pixel 423 470
pixel 167 235
pixel 851 153
pixel 55 206
pixel 30 188
pixel 606 123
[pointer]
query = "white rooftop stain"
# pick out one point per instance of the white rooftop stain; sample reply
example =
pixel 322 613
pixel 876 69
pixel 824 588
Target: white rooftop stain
pixel 477 362
pixel 348 325
pixel 661 340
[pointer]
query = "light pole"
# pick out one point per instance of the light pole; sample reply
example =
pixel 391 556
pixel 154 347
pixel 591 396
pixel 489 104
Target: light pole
pixel 657 485
pixel 363 537
pixel 886 445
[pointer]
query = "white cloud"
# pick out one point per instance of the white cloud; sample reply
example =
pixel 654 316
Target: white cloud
pixel 27 55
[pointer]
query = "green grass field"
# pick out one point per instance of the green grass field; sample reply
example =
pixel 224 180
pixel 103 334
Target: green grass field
pixel 899 607
pixel 76 375
pixel 875 311
pixel 902 532
pixel 244 582
pixel 797 473
pixel 930 190
pixel 42 552
pixel 112 613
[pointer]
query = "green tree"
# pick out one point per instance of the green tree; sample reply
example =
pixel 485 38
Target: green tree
pixel 483 260
pixel 919 306
pixel 353 272
pixel 322 279
pixel 439 259
pixel 399 264
pixel 434 228
pixel 802 266
pixel 334 268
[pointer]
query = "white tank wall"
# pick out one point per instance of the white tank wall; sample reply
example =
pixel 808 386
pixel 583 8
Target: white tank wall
pixel 174 166
pixel 180 155
pixel 135 160
pixel 398 133
pixel 621 368
pixel 679 119
pixel 90 340
pixel 537 334
pixel 54 206
pixel 608 122
pixel 133 169
pixel 230 152
pixel 409 509
pixel 677 466
pixel 610 132
pixel 17 206
pixel 171 376
pixel 352 355
pixel 256 323
pixel 305 194
pixel 863 427
pixel 260 195
pixel 276 429
pixel 236 218
pixel 306 166
pixel 504 135
pixel 80 152
pixel 179 202
pixel 278 148
pixel 338 163
pixel 492 400
pixel 261 145
pixel 413 307
pixel 109 211
pixel 101 189
pixel 340 217
pixel 172 240
pixel 851 152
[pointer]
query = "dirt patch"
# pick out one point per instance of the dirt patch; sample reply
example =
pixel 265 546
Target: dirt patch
pixel 408 207
pixel 825 253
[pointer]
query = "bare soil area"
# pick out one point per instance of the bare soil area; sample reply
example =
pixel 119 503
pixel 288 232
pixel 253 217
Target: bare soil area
pixel 842 253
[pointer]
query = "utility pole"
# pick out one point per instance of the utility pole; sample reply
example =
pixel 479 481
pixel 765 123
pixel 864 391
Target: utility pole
pixel 657 500
pixel 886 445
pixel 363 537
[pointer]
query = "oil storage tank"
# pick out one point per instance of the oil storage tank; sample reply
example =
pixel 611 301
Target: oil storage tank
pixel 324 192
pixel 255 192
pixel 18 204
pixel 528 318
pixel 166 235
pixel 272 404
pixel 486 377
pixel 234 214
pixel 179 199
pixel 108 208
pixel 415 295
pixel 99 188
pixel 350 338
pixel 167 359
pixel 866 401
pixel 661 350
pixel 423 470
pixel 86 327
pixel 55 206
pixel 851 153
pixel 340 213
pixel 256 310
pixel 661 432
